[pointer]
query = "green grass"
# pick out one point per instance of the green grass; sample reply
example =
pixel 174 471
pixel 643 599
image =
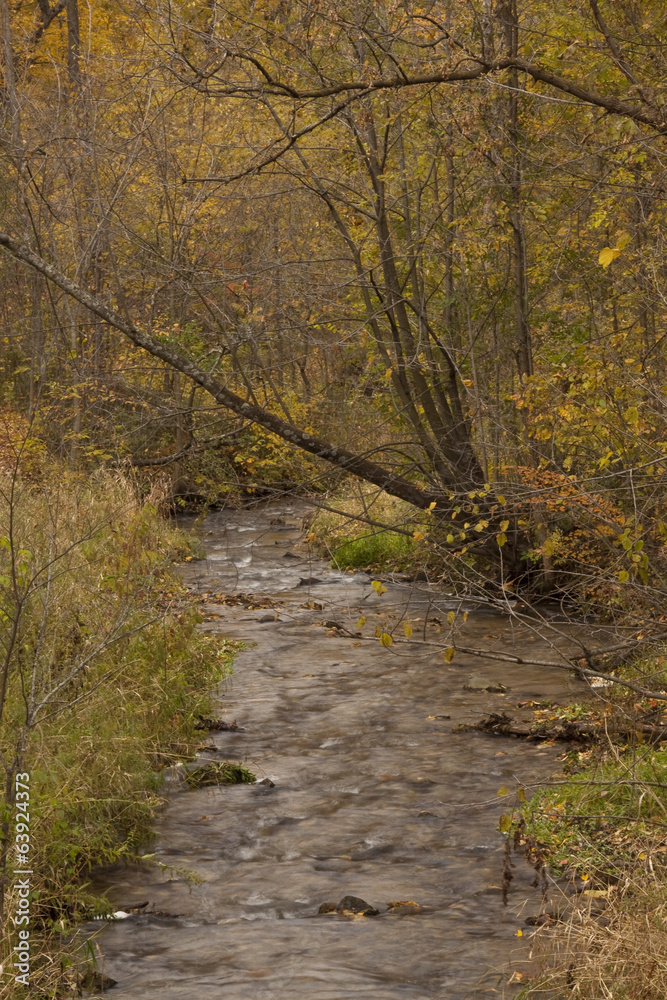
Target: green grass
pixel 382 550
pixel 599 820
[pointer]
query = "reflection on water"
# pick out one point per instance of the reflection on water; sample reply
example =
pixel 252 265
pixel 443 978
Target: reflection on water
pixel 374 796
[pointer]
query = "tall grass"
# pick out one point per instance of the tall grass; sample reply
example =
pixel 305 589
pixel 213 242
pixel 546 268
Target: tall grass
pixel 103 674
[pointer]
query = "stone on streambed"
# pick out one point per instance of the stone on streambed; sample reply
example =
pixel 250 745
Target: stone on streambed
pixel 350 905
pixel 478 682
pixel 404 906
pixel 96 982
pixel 218 725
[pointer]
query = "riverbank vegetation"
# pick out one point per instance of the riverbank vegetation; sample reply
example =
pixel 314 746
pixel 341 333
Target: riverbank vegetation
pixel 602 830
pixel 255 249
pixel 103 675
pixel 599 829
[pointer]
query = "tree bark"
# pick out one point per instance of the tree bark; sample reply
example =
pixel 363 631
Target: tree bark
pixel 524 350
pixel 9 73
pixel 73 43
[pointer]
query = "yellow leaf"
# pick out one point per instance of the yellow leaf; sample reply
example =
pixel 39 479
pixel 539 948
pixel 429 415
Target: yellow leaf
pixel 361 622
pixel 451 618
pixel 607 254
pixel 449 654
pixel 388 373
pixel 378 587
pixel 465 616
pixel 504 823
pixel 502 500
pixel 504 525
pixel 431 506
pixel 407 629
pixel 519 933
pixel 503 791
pixel 417 536
pixel 521 794
pixel 386 639
pixel 450 539
pixel 623 576
pixel 378 631
pixel 501 538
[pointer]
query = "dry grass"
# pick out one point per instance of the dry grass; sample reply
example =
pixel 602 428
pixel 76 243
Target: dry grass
pixel 619 956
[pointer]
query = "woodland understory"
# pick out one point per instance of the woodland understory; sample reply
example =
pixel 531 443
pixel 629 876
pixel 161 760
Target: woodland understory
pixel 406 260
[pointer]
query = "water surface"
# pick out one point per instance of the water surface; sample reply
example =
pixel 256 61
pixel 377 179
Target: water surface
pixel 374 795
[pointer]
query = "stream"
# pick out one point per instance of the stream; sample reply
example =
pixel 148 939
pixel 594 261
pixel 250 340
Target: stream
pixel 374 794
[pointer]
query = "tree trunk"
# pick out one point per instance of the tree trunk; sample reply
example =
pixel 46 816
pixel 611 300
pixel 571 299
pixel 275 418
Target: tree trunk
pixel 73 43
pixel 524 351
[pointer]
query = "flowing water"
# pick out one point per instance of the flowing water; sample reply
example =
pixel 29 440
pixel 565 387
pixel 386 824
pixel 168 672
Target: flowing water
pixel 375 794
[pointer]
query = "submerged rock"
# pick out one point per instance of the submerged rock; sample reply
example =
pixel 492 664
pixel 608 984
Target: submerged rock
pixel 219 725
pixel 96 982
pixel 350 904
pixel 403 906
pixel 478 682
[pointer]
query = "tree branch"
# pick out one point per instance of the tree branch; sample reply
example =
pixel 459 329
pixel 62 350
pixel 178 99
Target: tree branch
pixel 654 118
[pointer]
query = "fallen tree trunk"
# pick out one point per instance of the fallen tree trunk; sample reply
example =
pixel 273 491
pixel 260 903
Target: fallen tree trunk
pixel 506 725
pixel 359 466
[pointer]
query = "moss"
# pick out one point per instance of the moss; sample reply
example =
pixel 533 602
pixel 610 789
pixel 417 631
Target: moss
pixel 354 544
